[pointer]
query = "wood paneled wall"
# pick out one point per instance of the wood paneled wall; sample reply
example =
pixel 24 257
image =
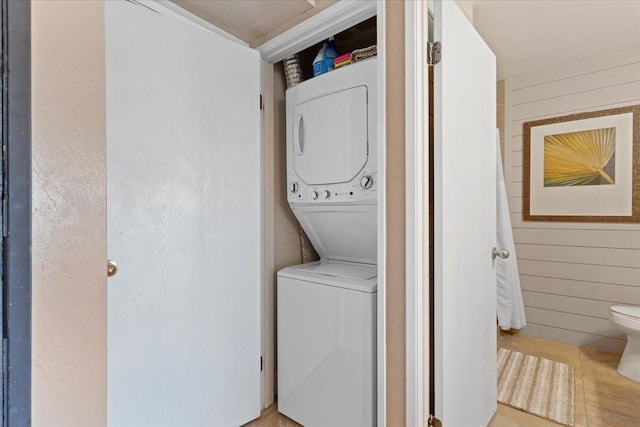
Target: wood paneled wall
pixel 571 273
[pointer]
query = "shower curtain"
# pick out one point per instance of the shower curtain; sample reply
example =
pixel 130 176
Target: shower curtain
pixel 510 306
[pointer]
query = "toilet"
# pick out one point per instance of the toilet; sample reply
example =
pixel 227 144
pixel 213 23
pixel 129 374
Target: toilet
pixel 627 319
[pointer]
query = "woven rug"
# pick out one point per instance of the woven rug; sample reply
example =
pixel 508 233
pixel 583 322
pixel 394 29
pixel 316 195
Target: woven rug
pixel 538 386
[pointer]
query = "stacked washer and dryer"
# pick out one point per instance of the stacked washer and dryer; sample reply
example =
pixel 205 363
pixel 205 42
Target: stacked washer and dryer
pixel 327 309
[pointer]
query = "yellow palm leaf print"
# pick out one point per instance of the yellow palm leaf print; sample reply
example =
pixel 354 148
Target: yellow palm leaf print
pixel 578 158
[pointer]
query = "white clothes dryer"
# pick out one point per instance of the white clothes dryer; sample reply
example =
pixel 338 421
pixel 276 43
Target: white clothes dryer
pixel 331 137
pixel 332 161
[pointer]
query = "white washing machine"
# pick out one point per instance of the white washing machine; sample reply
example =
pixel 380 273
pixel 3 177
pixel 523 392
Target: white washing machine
pixel 326 344
pixel 327 309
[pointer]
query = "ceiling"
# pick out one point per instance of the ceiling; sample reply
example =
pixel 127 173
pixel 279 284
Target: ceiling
pixel 527 35
pixel 253 20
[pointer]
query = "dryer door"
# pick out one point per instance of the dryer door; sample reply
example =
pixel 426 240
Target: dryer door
pixel 330 137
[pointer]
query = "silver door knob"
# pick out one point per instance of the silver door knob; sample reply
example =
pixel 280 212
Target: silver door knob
pixel 499 253
pixel 112 268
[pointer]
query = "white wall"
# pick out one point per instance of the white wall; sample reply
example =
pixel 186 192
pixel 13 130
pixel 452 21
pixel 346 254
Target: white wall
pixel 572 273
pixel 69 307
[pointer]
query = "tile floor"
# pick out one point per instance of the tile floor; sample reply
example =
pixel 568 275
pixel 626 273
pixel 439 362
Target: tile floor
pixel 604 398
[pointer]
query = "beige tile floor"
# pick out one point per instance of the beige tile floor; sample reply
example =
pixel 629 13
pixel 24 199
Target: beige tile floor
pixel 604 398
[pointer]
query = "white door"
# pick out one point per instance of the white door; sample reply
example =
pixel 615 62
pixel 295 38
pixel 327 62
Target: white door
pixel 183 159
pixel 465 227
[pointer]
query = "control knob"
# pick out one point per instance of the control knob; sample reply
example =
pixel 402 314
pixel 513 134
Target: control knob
pixel 366 182
pixel 314 195
pixel 293 187
pixel 326 194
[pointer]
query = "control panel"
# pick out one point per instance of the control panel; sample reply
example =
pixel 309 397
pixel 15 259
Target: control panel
pixel 362 188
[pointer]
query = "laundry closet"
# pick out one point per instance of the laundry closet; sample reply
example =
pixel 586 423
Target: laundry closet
pixel 326 310
pixel 249 222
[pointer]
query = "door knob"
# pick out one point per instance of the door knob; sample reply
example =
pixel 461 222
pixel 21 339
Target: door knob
pixel 112 268
pixel 499 253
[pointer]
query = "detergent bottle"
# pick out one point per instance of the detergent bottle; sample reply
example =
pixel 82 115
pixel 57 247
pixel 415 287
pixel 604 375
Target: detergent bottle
pixel 330 55
pixel 318 62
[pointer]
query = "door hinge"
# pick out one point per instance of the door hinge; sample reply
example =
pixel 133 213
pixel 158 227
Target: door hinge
pixel 261 363
pixel 434 53
pixel 434 422
pixel 261 104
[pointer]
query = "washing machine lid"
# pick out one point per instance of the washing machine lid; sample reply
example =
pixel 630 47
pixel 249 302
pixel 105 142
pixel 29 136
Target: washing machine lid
pixel 627 310
pixel 340 269
pixel 342 233
pixel 352 276
pixel 330 136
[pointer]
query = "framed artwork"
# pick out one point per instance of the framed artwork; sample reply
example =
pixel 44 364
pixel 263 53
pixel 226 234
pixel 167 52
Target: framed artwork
pixel 583 167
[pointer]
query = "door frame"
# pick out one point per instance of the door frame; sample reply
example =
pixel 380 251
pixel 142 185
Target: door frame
pixel 16 257
pixel 417 213
pixel 418 31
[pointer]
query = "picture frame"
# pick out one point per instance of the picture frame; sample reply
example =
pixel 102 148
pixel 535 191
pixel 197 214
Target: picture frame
pixel 583 167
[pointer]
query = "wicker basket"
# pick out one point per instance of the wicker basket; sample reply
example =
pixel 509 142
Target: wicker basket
pixel 292 70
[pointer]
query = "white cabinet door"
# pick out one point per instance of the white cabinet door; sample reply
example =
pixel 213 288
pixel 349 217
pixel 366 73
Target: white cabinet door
pixel 183 158
pixel 465 227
